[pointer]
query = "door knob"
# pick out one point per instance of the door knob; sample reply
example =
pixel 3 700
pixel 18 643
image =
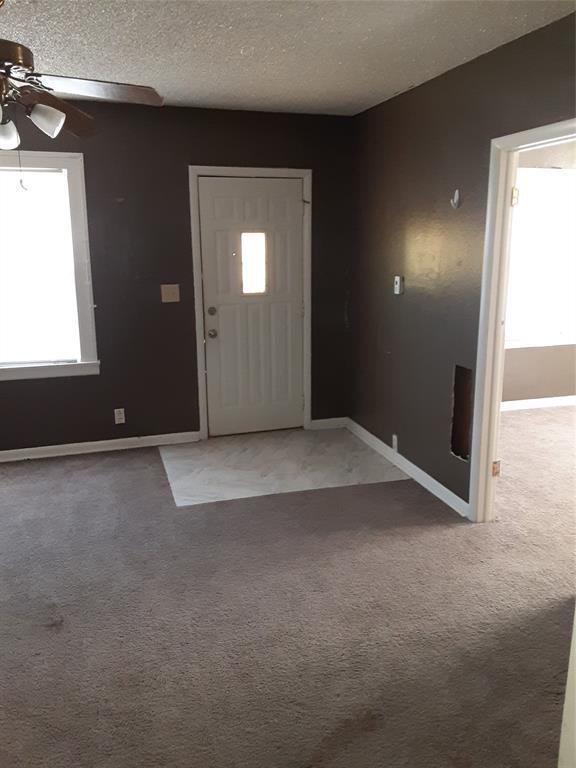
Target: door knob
pixel 212 333
pixel 211 310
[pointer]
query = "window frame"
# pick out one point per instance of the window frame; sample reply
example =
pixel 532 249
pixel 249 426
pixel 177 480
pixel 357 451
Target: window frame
pixel 73 163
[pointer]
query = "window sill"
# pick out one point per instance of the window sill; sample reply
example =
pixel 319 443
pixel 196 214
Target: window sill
pixel 48 370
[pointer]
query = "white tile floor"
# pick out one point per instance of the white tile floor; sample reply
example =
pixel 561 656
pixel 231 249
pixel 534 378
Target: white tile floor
pixel 258 464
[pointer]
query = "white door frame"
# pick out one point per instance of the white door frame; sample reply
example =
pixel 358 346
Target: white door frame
pixel 490 356
pixel 195 172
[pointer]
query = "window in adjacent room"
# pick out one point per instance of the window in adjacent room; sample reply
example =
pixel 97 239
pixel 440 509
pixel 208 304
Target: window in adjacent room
pixel 540 307
pixel 46 306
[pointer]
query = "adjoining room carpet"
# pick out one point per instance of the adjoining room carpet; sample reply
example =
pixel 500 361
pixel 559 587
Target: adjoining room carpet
pixel 358 627
pixel 538 452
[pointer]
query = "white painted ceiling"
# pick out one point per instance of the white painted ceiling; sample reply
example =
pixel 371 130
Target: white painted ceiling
pixel 329 56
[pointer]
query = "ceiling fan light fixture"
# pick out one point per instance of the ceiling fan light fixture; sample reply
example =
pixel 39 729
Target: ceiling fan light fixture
pixel 9 137
pixel 47 119
pixel 35 93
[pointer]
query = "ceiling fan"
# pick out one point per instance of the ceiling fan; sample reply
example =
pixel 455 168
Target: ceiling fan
pixel 23 88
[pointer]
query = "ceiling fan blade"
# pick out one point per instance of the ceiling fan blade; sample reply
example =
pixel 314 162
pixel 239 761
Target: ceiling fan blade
pixel 77 122
pixel 101 90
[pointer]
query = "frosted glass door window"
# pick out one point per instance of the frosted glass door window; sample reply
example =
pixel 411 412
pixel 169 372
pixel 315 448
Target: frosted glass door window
pixel 253 262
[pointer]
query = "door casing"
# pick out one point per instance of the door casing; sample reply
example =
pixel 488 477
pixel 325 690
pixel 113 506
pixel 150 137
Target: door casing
pixel 490 356
pixel 197 171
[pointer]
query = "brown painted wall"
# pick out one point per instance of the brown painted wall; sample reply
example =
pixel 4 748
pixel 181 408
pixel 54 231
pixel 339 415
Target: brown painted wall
pixel 531 372
pixel 139 226
pixel 412 152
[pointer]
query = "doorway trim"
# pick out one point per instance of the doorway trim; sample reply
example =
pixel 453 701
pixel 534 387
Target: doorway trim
pixel 490 356
pixel 197 171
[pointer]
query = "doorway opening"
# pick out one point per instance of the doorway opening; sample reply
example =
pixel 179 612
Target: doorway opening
pixel 527 339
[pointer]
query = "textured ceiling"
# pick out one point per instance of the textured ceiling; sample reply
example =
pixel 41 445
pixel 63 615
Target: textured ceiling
pixel 324 56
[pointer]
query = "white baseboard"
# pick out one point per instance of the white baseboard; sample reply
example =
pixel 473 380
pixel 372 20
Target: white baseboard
pixel 540 402
pixel 119 444
pixel 421 477
pixel 339 422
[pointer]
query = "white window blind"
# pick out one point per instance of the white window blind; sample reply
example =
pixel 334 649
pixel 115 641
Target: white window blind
pixel 46 308
pixel 38 310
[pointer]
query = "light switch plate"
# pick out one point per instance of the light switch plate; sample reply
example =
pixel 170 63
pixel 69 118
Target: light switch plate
pixel 170 293
pixel 398 285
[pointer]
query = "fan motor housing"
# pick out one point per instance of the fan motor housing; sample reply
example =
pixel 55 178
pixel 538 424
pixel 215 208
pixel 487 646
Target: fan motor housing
pixel 15 55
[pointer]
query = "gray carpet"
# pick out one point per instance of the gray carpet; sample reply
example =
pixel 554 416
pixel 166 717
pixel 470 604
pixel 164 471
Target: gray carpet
pixel 357 627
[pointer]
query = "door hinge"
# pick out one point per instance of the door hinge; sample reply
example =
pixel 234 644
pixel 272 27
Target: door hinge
pixel 496 465
pixel 515 196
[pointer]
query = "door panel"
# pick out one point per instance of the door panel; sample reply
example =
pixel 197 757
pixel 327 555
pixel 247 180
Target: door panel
pixel 254 340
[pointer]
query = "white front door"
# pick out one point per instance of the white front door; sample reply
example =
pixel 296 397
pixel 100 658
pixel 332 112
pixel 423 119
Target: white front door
pixel 252 273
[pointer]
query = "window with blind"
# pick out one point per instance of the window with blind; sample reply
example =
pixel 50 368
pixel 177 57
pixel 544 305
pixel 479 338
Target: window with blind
pixel 46 307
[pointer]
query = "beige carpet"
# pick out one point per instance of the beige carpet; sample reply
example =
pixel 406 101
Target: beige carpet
pixel 357 627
